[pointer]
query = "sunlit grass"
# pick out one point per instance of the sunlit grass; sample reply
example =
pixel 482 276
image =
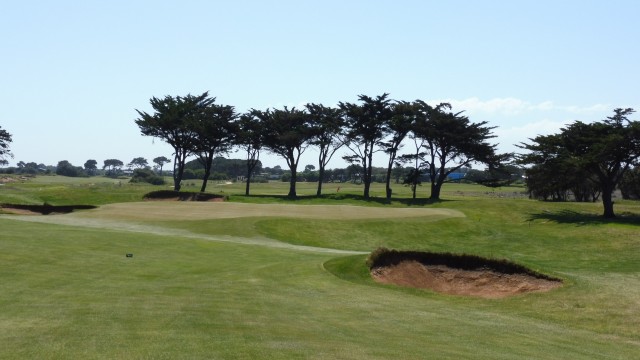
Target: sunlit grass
pixel 70 291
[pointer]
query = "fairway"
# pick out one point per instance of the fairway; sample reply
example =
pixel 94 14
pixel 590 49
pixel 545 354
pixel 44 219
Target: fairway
pixel 281 281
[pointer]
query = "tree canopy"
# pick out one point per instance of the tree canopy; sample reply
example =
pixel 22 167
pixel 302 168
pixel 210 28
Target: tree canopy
pixel 172 121
pixel 445 141
pixel 286 133
pixel 451 141
pixel 90 166
pixel 161 161
pixel 327 128
pixel 112 166
pixel 250 138
pixel 5 141
pixel 366 127
pixel 215 130
pixel 138 163
pixel 606 149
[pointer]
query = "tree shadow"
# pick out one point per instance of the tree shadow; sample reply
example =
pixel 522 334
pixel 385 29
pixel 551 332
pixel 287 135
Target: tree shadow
pixel 47 209
pixel 582 219
pixel 353 198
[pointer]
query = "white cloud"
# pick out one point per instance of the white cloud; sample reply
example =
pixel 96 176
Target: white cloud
pixel 532 129
pixel 510 106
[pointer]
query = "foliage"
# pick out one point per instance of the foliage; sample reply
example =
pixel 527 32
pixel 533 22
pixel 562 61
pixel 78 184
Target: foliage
pixel 91 167
pixel 172 122
pixel 5 141
pixel 250 138
pixel 287 133
pixel 495 176
pixel 452 142
pixel 366 127
pixel 601 151
pixel 113 167
pixel 215 132
pixel 138 162
pixel 630 184
pixel 327 125
pixel 65 168
pixel 147 176
pixel 399 126
pixel 160 161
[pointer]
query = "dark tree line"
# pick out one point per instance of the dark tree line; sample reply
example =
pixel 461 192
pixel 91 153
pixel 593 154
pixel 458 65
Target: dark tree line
pixel 196 125
pixel 587 160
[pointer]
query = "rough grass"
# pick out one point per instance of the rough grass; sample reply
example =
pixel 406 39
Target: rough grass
pixel 70 292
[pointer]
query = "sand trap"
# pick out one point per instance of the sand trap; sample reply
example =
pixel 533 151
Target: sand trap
pixel 482 281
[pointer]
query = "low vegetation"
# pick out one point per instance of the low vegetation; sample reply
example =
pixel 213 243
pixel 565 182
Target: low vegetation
pixel 257 286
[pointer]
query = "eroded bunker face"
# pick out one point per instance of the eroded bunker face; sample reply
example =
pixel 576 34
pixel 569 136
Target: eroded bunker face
pixel 464 275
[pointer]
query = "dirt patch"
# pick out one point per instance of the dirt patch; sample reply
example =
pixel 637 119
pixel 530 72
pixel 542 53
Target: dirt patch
pixel 458 274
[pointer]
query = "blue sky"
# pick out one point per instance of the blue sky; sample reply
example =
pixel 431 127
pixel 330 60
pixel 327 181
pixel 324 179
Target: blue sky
pixel 72 73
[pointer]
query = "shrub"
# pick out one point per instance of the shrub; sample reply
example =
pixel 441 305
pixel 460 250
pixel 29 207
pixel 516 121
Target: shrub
pixel 148 176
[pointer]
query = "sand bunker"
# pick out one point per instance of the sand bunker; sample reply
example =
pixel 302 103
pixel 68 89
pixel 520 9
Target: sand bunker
pixel 458 274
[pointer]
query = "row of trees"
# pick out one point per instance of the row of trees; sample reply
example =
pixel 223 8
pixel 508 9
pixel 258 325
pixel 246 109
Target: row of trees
pixel 111 167
pixel 587 160
pixel 444 140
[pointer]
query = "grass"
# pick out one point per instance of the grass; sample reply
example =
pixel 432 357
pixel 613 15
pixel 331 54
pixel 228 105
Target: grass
pixel 70 292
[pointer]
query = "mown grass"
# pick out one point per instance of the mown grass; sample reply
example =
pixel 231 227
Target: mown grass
pixel 70 292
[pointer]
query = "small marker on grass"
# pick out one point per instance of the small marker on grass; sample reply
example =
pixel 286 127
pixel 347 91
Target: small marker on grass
pixel 129 255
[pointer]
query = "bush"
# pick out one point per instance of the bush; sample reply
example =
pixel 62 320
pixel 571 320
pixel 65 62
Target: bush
pixel 147 176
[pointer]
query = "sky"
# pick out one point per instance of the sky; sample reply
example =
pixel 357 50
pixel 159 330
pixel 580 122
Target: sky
pixel 73 73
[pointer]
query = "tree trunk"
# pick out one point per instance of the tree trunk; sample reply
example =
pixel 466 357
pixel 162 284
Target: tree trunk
pixel 320 178
pixel 392 157
pixel 207 163
pixel 607 201
pixel 294 179
pixel 368 172
pixel 435 190
pixel 367 184
pixel 207 172
pixel 249 171
pixel 178 169
pixel 388 185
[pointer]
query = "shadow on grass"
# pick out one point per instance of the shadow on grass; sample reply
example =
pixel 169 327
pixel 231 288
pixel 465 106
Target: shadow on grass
pixel 47 209
pixel 350 199
pixel 581 219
